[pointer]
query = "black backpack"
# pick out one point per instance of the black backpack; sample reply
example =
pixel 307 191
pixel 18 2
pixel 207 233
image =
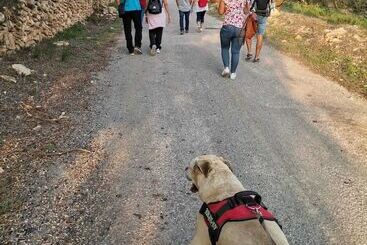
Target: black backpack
pixel 264 12
pixel 154 7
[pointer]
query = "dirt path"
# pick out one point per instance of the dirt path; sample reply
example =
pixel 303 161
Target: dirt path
pixel 293 136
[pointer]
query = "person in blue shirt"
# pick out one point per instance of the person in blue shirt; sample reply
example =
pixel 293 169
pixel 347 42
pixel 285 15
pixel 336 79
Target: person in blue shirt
pixel 132 13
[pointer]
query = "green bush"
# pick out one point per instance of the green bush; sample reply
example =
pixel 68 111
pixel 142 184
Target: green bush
pixel 330 15
pixel 73 32
pixel 7 3
pixel 356 6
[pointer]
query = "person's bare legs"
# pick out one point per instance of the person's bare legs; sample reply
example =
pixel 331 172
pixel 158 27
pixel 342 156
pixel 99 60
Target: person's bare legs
pixel 249 45
pixel 259 45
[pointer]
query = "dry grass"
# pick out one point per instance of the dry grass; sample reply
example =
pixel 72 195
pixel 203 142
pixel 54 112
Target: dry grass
pixel 59 84
pixel 336 51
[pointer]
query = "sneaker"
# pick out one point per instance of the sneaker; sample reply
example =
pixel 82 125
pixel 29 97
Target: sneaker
pixel 248 57
pixel 256 60
pixel 201 28
pixel 187 31
pixel 225 72
pixel 138 50
pixel 233 76
pixel 181 32
pixel 158 50
pixel 153 50
pixel 198 26
pixel 132 54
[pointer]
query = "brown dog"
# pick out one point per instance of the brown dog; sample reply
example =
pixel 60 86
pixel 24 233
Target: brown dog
pixel 213 178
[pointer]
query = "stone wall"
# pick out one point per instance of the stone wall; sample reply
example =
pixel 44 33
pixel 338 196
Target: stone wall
pixel 30 21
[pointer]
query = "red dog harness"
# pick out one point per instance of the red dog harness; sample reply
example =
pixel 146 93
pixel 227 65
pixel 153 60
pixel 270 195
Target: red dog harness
pixel 245 205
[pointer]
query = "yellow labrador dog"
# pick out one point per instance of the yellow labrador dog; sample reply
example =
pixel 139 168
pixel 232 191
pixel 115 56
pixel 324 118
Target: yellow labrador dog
pixel 213 178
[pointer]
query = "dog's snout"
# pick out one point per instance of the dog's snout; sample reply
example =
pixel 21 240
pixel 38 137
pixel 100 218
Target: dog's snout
pixel 187 174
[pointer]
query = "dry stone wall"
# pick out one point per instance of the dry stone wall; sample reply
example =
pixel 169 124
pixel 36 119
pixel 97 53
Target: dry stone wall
pixel 30 21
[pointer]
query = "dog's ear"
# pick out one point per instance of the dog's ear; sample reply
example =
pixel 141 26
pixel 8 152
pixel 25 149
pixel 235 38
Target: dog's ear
pixel 226 162
pixel 203 166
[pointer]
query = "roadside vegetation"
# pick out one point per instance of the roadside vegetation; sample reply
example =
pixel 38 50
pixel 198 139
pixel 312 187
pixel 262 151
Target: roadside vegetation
pixel 332 42
pixel 7 3
pixel 330 15
pixel 38 112
pixel 352 6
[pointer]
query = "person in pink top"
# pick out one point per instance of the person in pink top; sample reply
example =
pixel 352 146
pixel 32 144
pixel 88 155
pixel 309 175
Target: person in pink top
pixel 156 23
pixel 230 34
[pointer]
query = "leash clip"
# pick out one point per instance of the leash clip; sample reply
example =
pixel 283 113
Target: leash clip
pixel 255 209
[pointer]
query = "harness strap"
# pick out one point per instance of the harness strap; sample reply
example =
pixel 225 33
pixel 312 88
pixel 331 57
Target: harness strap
pixel 211 222
pixel 240 198
pixel 250 199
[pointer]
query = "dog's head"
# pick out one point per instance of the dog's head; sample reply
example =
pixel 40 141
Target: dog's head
pixel 202 167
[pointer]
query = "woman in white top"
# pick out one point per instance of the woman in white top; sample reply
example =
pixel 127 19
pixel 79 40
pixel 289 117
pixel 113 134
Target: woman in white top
pixel 200 7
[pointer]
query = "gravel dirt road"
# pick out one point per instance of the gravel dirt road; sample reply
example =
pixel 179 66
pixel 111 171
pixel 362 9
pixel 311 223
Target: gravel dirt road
pixel 291 135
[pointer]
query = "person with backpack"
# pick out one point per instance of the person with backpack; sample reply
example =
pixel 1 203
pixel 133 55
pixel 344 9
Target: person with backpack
pixel 184 8
pixel 200 7
pixel 262 10
pixel 231 36
pixel 157 14
pixel 130 11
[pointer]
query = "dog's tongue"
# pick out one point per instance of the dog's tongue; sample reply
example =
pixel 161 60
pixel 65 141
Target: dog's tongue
pixel 194 188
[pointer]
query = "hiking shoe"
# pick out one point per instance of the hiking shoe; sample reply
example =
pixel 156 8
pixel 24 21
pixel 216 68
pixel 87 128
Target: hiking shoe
pixel 158 50
pixel 198 26
pixel 225 72
pixel 256 60
pixel 153 50
pixel 248 57
pixel 138 50
pixel 233 76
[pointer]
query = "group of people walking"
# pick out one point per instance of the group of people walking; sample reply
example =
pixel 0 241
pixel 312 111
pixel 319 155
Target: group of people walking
pixel 133 11
pixel 157 15
pixel 242 20
pixel 185 7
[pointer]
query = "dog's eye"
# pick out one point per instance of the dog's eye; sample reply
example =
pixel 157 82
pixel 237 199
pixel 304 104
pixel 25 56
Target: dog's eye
pixel 194 188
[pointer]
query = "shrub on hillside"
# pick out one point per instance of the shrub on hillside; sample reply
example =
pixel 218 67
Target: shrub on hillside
pixel 356 6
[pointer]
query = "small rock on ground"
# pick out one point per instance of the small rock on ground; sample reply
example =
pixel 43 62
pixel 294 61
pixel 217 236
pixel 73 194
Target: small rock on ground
pixel 8 78
pixel 61 43
pixel 37 128
pixel 2 17
pixel 21 69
